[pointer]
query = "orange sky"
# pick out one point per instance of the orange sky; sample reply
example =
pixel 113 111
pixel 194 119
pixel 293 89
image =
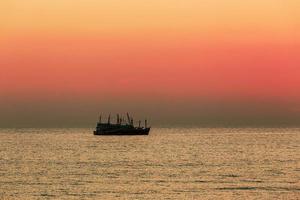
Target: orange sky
pixel 143 52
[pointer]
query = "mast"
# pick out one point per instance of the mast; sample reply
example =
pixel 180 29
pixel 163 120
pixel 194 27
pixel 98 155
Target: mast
pixel 118 119
pixel 108 119
pixel 139 123
pixel 100 119
pixel 145 123
pixel 128 118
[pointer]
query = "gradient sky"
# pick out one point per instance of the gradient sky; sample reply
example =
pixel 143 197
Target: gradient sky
pixel 179 62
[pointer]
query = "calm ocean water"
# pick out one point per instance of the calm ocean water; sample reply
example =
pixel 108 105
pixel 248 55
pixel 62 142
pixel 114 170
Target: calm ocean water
pixel 168 164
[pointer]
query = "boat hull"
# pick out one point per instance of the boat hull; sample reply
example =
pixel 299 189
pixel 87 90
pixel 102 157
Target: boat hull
pixel 136 131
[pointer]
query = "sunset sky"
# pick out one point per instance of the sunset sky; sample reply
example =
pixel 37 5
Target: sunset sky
pixel 178 62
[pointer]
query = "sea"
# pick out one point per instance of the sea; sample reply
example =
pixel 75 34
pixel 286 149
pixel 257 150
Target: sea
pixel 170 163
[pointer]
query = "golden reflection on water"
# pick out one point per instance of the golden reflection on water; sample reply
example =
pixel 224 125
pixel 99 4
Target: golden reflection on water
pixel 167 164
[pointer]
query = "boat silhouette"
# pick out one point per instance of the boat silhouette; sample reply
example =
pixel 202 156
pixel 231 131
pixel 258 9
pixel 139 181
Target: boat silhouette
pixel 121 127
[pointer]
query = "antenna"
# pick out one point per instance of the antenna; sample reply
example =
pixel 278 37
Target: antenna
pixel 100 119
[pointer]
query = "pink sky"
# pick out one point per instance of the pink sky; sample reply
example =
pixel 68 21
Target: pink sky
pixel 185 52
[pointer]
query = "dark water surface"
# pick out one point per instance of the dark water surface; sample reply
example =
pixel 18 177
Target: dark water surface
pixel 167 164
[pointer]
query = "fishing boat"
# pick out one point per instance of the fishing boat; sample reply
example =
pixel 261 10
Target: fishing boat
pixel 121 127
